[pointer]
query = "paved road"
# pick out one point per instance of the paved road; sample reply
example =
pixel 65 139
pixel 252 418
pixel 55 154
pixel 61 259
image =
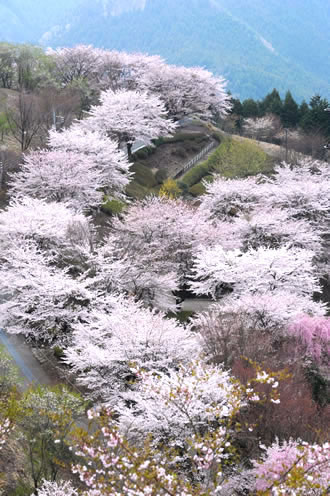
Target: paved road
pixel 31 369
pixel 196 304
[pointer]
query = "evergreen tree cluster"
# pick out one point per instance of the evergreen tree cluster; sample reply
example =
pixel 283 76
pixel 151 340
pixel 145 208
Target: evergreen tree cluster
pixel 308 116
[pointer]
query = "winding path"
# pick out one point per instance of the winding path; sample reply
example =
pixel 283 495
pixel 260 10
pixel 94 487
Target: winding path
pixel 32 371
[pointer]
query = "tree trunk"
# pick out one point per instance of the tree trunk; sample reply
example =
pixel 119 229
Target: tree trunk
pixel 129 151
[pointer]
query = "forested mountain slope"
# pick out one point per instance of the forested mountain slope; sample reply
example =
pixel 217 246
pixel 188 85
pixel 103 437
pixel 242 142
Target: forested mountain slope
pixel 256 45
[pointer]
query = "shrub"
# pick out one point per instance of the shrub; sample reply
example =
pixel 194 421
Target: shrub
pixel 179 137
pixel 195 174
pixel 209 178
pixel 179 152
pixel 234 158
pixel 135 190
pixel 170 189
pixel 58 352
pixel 161 176
pixel 197 189
pixel 143 175
pixel 112 207
pixel 143 153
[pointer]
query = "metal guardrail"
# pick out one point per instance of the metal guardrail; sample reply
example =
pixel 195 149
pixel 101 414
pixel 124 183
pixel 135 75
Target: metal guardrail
pixel 195 159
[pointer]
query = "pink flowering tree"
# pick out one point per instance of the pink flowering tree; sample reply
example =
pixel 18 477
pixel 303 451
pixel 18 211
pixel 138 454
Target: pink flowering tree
pixel 39 299
pixel 303 190
pixel 108 160
pixel 60 176
pixel 75 63
pixel 186 91
pixel 274 227
pixel 118 332
pixel 177 436
pixel 227 198
pixel 117 268
pixel 262 127
pixel 293 467
pixel 52 226
pixel 313 336
pixel 155 240
pixel 127 116
pixel 254 271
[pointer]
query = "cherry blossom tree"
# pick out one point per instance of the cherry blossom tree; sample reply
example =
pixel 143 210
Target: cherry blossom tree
pixel 262 127
pixel 5 429
pixel 154 242
pixel 136 65
pixel 180 440
pixel 108 159
pixel 269 310
pixel 40 300
pixel 294 467
pixel 179 403
pixel 79 62
pixel 114 268
pixel 313 335
pixel 49 488
pixel 274 227
pixel 226 198
pixel 254 271
pixel 56 230
pixel 61 176
pixel 302 189
pixel 47 223
pixel 121 332
pixel 254 326
pixel 129 115
pixel 186 91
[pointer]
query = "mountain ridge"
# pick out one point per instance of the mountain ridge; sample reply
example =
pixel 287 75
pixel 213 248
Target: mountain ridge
pixel 256 45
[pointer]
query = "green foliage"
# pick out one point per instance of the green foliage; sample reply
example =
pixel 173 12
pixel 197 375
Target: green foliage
pixel 315 118
pixel 290 111
pixel 22 489
pixel 58 352
pixel 183 316
pixel 47 416
pixel 195 174
pixel 112 207
pixel 272 103
pixel 136 190
pixel 9 374
pixel 250 108
pixel 143 175
pixel 170 189
pixel 197 189
pixel 180 137
pixel 4 126
pixel 161 176
pixel 143 153
pixel 234 158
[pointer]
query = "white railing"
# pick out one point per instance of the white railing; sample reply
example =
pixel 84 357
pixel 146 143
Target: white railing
pixel 195 159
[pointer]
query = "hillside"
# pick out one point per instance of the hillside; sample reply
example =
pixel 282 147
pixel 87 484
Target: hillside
pixel 256 45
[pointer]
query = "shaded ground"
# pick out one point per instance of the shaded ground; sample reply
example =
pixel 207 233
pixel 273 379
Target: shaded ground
pixel 171 156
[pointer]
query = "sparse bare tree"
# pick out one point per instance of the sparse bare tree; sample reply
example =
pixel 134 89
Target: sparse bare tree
pixel 25 120
pixel 58 108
